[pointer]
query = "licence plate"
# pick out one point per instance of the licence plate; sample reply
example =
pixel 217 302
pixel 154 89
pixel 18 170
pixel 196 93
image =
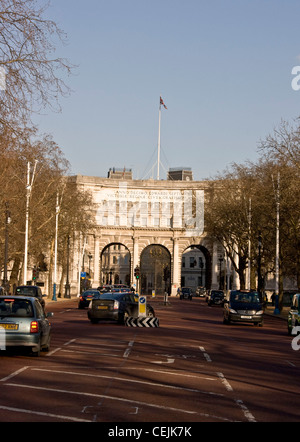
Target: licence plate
pixel 9 326
pixel 102 307
pixel 246 317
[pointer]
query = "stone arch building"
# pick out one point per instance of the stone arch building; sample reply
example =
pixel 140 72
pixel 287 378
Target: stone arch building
pixel 136 214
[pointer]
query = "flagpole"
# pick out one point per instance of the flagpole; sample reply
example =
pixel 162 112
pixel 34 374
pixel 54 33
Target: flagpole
pixel 158 146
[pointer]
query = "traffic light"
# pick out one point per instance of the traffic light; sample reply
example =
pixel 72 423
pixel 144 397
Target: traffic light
pixel 137 272
pixel 34 273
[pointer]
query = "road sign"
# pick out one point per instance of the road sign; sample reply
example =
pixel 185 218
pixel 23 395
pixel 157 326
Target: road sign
pixel 142 306
pixel 142 322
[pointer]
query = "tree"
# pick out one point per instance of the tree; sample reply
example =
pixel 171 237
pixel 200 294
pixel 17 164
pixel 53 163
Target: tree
pixel 283 145
pixel 227 215
pixel 28 61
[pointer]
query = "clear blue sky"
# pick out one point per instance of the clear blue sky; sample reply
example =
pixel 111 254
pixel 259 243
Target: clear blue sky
pixel 222 67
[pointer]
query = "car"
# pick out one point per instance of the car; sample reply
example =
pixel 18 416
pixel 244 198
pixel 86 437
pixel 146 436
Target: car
pixel 104 288
pixel 116 306
pixel 294 314
pixel 200 291
pixel 243 306
pixel 216 297
pixel 24 323
pixel 186 293
pixel 31 290
pixel 86 297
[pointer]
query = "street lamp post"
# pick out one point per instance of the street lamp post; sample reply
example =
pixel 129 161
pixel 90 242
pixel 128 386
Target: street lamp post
pixel 7 222
pixel 67 285
pixel 29 185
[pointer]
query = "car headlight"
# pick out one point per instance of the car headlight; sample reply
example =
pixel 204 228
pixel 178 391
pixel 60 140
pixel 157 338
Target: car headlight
pixel 260 312
pixel 232 310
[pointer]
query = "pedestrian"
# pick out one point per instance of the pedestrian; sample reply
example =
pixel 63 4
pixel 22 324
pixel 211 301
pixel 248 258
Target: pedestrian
pixel 273 298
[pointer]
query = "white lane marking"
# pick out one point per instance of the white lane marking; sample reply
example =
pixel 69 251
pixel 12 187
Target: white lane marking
pixel 59 348
pixel 170 373
pixel 225 382
pixel 128 349
pixel 249 416
pixel 206 355
pixel 103 396
pixel 290 363
pixel 53 351
pixel 15 373
pixel 153 384
pixel 40 413
pixel 168 361
pixel 69 342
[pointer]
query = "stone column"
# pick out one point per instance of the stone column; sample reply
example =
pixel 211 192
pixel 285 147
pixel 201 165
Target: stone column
pixel 175 269
pixel 96 280
pixel 214 268
pixel 135 258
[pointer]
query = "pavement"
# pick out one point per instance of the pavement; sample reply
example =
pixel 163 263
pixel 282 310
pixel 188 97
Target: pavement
pixel 270 310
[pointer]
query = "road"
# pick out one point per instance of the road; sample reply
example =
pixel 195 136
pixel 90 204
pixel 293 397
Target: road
pixel 192 368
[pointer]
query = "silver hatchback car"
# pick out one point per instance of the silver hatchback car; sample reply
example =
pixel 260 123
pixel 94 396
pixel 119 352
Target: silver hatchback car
pixel 23 323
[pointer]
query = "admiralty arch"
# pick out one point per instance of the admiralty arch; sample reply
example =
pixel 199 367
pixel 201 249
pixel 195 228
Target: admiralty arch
pixel 155 225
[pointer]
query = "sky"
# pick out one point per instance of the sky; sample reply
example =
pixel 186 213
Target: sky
pixel 222 67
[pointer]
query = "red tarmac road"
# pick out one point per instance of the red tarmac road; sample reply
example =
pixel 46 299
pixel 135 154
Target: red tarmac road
pixel 192 368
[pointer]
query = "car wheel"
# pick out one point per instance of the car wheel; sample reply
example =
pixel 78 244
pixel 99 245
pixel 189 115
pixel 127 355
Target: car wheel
pixel 47 346
pixel 124 317
pixel 151 314
pixel 35 351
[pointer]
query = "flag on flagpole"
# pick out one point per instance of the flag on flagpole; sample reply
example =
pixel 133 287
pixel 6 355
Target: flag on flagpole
pixel 162 103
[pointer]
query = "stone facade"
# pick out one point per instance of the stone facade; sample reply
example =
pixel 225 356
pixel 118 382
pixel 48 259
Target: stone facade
pixel 137 214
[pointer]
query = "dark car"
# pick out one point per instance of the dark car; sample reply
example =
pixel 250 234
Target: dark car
pixel 86 297
pixel 116 306
pixel 23 323
pixel 216 297
pixel 243 306
pixel 294 314
pixel 104 288
pixel 186 293
pixel 31 290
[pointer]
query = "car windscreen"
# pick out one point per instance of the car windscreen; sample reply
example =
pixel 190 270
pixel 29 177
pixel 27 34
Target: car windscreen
pixel 113 296
pixel 26 291
pixel 91 292
pixel 21 308
pixel 238 296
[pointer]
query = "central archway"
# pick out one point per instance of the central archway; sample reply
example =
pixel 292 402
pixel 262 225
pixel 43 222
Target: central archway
pixel 155 270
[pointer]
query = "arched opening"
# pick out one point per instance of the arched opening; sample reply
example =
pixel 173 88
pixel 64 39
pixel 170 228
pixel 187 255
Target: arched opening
pixel 155 270
pixel 115 264
pixel 196 267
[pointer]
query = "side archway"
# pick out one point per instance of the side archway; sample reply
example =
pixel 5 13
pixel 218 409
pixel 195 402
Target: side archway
pixel 115 264
pixel 196 267
pixel 155 270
